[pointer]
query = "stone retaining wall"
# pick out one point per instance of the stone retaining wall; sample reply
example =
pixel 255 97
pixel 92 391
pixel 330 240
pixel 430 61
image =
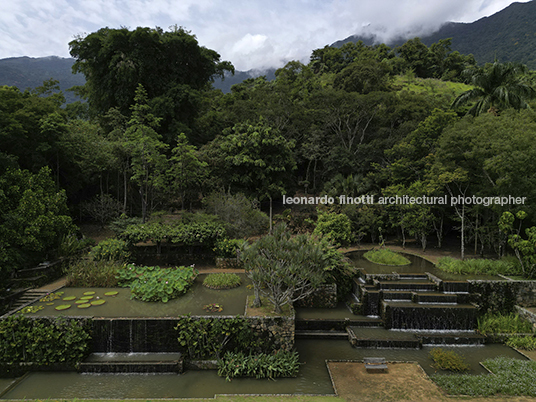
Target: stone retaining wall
pixel 504 295
pixel 323 297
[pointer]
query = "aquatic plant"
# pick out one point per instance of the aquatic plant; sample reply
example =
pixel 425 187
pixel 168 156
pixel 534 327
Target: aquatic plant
pixel 386 257
pixel 157 284
pixel 279 364
pixel 512 377
pixel 522 342
pixel 448 360
pixel 479 266
pixel 222 281
pixel 498 323
pixel 213 308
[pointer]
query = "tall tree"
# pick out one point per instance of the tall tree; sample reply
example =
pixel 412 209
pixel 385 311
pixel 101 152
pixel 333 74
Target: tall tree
pixel 497 86
pixel 253 158
pixel 171 66
pixel 148 161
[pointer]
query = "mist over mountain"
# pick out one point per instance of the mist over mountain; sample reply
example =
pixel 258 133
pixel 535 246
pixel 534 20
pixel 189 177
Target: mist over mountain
pixel 509 35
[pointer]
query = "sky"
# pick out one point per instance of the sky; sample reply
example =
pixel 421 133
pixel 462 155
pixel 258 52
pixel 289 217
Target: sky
pixel 251 34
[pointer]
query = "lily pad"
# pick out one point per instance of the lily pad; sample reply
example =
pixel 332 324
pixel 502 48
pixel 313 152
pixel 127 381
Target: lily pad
pixel 69 298
pixel 85 305
pixel 111 293
pixel 88 293
pixel 63 307
pixel 87 297
pixel 81 301
pixel 50 304
pixel 98 302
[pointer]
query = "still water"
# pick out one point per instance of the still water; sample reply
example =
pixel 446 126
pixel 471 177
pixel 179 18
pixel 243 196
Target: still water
pixel 313 377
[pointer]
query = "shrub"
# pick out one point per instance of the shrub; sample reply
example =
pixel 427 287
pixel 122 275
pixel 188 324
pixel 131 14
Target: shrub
pixel 157 284
pixel 479 266
pixel 522 342
pixel 497 323
pixel 337 228
pixel 241 216
pixel 280 364
pixel 110 250
pixel 386 257
pixel 227 248
pixel 87 273
pixel 222 281
pixel 209 338
pixel 118 226
pixel 448 360
pixel 43 341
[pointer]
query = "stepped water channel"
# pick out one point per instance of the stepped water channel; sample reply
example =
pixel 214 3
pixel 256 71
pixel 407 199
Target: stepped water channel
pixel 401 310
pixel 397 315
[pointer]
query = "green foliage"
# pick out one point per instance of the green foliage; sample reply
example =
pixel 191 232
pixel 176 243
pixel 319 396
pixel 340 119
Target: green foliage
pixel 88 273
pixel 279 364
pixel 522 342
pixel 478 266
pixel 512 377
pixel 386 257
pixel 170 65
pixel 524 249
pixel 118 226
pixel 497 86
pixel 497 323
pixel 155 284
pixel 241 216
pixel 228 248
pixel 195 233
pixel 43 341
pixel 335 227
pixel 187 172
pixel 201 338
pixel 284 268
pixel 110 250
pixel 222 281
pixel 448 360
pixel 34 218
pixel 70 245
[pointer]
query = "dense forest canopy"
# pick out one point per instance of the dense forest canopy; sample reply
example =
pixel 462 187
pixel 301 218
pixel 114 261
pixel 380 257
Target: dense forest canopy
pixel 356 120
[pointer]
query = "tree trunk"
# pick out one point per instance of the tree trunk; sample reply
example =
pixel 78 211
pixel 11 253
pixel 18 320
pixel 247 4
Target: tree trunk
pixel 271 224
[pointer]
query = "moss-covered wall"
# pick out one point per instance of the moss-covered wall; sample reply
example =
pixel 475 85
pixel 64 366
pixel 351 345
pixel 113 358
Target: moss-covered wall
pixel 323 297
pixel 503 295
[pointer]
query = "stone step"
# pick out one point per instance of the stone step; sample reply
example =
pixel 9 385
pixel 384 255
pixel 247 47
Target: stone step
pixel 321 335
pixel 409 285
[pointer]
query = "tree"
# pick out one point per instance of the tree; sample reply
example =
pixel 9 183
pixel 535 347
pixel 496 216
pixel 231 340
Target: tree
pixel 171 66
pixel 284 268
pixel 187 171
pixel 33 218
pixel 253 158
pixel 497 86
pixel 148 163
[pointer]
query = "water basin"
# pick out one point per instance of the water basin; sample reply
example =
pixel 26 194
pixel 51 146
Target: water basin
pixel 121 305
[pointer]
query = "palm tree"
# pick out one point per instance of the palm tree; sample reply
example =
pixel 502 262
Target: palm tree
pixel 499 86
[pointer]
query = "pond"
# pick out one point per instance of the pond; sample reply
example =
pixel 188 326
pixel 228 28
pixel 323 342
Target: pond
pixel 121 305
pixel 417 265
pixel 313 377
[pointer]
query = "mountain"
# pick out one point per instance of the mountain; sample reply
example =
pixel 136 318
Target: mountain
pixel 508 35
pixel 28 72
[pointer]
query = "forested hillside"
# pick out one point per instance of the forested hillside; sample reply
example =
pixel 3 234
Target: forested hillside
pixel 366 123
pixel 509 35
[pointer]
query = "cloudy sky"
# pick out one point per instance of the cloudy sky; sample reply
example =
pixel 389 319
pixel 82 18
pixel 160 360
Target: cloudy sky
pixel 252 34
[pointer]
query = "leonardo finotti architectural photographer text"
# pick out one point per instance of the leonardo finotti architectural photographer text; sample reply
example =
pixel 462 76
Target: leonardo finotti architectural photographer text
pixel 405 200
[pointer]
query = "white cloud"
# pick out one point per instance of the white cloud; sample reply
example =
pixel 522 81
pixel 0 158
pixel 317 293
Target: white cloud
pixel 249 33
